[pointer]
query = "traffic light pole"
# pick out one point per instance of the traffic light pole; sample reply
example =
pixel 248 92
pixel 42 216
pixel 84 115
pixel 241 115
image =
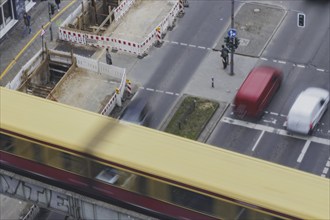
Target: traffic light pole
pixel 232 51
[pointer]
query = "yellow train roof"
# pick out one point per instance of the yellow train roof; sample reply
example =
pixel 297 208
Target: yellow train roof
pixel 223 172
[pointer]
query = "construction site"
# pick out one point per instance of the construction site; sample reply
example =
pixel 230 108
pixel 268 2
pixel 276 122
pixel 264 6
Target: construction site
pixel 131 26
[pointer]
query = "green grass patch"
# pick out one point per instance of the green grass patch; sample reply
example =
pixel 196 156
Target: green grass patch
pixel 191 117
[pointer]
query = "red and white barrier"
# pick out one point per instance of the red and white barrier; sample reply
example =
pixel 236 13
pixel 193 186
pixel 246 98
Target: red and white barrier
pixel 147 43
pixel 137 48
pixel 72 36
pixel 124 45
pixel 123 8
pixel 128 86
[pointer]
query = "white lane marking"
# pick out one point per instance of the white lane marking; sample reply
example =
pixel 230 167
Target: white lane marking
pixel 282 115
pixel 303 151
pixel 273 113
pixel 328 163
pixel 239 214
pixel 160 91
pixel 257 142
pixel 262 58
pixel 272 120
pixel 274 130
pixel 326 168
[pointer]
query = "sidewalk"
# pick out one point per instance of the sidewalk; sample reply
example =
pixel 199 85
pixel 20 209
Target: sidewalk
pixel 15 45
pixel 18 48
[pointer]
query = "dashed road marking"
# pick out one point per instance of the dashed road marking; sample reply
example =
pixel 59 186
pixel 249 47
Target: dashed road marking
pixel 257 142
pixel 270 129
pixel 303 151
pixel 261 58
pixel 326 168
pixel 160 91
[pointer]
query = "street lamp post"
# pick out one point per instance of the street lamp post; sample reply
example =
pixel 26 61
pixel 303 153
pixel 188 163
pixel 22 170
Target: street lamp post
pixel 50 12
pixel 232 51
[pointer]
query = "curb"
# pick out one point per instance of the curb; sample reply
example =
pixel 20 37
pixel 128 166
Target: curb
pixel 205 134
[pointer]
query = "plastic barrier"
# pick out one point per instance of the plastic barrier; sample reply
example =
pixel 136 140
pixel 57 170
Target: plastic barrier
pixel 147 43
pixel 121 10
pixel 137 48
pixel 110 105
pixel 72 36
pixel 124 45
pixel 111 70
pixel 113 101
pixel 87 63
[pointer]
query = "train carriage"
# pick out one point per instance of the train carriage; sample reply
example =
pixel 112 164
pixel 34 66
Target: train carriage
pixel 157 173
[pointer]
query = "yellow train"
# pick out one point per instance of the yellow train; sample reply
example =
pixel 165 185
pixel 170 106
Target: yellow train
pixel 151 171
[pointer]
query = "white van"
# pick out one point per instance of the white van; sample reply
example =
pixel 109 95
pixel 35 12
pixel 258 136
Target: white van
pixel 307 110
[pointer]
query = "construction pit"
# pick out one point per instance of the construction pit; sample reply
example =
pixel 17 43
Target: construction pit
pixel 60 77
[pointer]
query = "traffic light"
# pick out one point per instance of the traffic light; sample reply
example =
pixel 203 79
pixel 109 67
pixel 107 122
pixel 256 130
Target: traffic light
pixel 301 20
pixel 236 42
pixel 226 40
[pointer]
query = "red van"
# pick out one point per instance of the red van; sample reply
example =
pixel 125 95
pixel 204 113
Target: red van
pixel 256 91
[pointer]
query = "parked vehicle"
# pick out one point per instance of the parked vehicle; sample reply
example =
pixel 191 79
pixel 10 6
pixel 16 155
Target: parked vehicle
pixel 256 91
pixel 307 110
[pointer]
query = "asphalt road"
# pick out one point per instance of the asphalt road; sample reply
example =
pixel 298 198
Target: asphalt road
pixel 172 66
pixel 303 56
pixel 301 53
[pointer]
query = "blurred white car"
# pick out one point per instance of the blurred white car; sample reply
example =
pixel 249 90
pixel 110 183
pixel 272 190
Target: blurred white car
pixel 307 110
